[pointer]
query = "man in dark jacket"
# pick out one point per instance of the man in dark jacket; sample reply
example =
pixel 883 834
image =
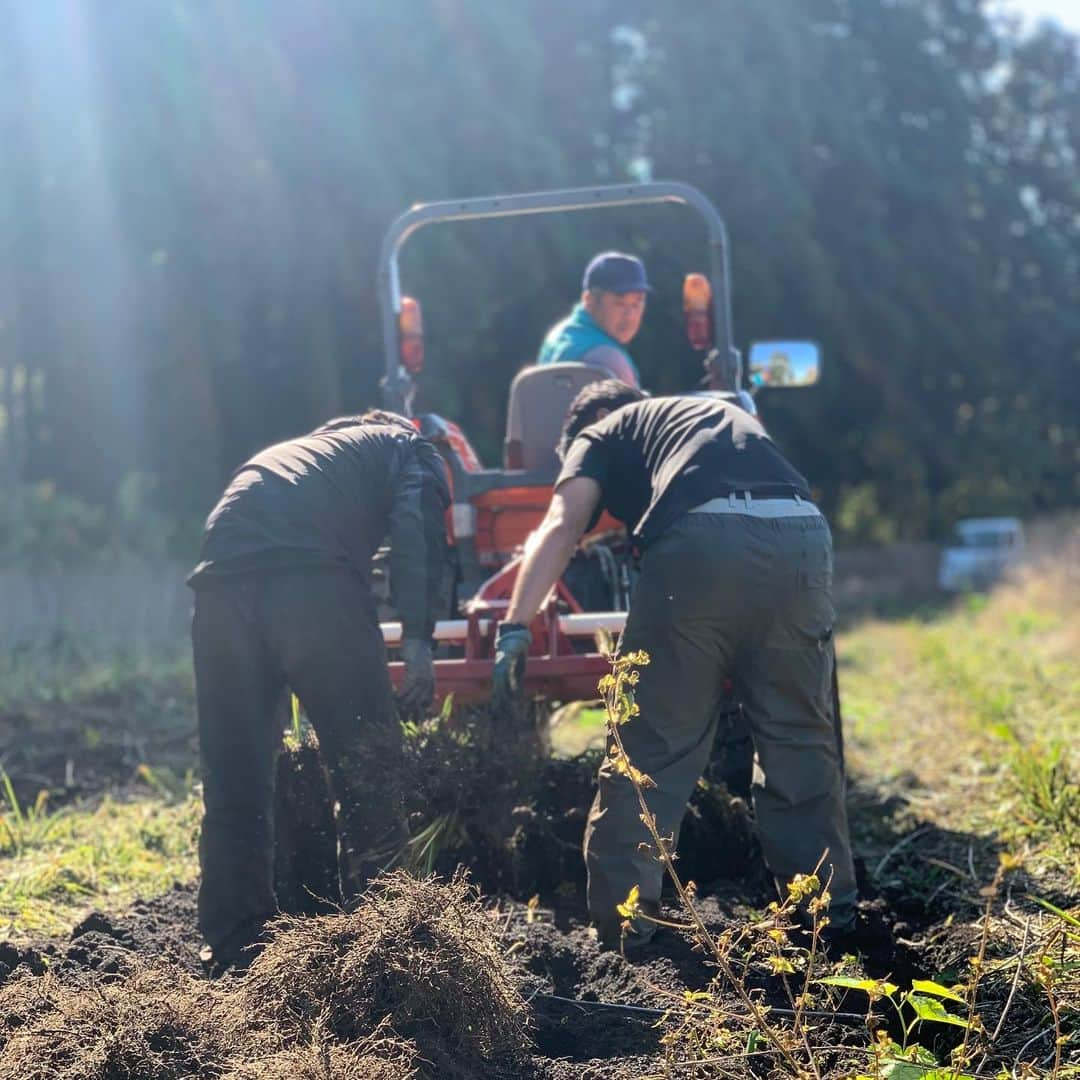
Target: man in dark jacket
pixel 283 601
pixel 735 583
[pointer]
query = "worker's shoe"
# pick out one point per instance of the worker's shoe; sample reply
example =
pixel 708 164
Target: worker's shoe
pixel 236 953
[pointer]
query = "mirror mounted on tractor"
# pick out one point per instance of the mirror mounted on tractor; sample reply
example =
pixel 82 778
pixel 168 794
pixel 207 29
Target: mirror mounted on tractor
pixel 780 364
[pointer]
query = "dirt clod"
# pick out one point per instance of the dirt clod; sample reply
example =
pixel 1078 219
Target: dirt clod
pixel 305 855
pixel 12 958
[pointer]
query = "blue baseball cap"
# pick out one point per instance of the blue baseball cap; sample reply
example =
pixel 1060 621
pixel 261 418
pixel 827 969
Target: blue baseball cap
pixel 616 272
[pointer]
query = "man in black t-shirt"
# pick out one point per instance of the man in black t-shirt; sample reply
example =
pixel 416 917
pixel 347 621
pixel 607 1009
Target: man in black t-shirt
pixel 735 583
pixel 283 601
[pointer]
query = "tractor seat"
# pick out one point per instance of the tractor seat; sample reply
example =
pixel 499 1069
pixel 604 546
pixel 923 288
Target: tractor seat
pixel 539 398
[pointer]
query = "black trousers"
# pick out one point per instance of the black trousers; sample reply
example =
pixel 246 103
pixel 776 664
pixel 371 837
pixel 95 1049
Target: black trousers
pixel 314 631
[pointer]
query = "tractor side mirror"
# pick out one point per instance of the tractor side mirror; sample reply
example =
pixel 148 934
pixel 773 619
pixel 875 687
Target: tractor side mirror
pixel 783 364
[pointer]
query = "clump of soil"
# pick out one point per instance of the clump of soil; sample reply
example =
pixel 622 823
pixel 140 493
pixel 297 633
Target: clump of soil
pixel 474 772
pixel 717 841
pixel 12 958
pixel 490 799
pixel 411 983
pixel 420 955
pixel 155 1022
pixel 305 850
pixel 542 848
pixel 467 782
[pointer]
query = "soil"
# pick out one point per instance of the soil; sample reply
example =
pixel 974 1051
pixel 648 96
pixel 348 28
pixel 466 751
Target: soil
pixel 569 982
pixel 78 749
pixel 519 826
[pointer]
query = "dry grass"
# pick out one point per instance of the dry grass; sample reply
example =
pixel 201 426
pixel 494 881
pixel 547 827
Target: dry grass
pixel 381 1056
pixel 412 983
pixel 966 726
pixel 421 955
pixel 155 1023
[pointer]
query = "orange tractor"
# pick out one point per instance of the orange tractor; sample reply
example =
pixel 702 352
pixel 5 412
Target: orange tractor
pixel 495 509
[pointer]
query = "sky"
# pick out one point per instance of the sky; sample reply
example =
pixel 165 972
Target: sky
pixel 1067 12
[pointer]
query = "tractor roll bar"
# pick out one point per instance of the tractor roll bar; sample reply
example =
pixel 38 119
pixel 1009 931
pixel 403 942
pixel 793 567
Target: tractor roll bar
pixel 398 383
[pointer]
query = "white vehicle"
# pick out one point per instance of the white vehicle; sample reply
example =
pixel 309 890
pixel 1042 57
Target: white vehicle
pixel 984 548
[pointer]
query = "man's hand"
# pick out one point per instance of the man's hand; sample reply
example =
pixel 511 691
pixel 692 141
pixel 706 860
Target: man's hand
pixel 511 647
pixel 418 690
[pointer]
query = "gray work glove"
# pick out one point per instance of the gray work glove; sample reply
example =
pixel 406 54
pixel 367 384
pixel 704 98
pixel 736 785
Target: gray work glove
pixel 418 690
pixel 511 647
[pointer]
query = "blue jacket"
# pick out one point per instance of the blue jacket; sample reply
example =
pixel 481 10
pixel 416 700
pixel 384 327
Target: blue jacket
pixel 572 339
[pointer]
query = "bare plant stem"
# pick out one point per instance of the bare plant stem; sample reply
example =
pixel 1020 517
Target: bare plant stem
pixel 1054 1011
pixel 991 895
pixel 1009 999
pixel 701 933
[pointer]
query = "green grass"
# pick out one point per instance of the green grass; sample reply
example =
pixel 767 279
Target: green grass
pixel 970 712
pixel 974 717
pixel 576 728
pixel 53 866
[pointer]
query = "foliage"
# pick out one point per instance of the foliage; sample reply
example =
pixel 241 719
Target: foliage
pixel 43 528
pixel 195 203
pixel 707 1023
pixel 22 828
pixel 768 938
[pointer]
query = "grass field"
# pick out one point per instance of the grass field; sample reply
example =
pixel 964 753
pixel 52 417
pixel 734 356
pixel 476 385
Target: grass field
pixel 971 718
pixel 963 745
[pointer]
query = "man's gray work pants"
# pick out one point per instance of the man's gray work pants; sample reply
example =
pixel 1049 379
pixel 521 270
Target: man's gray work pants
pixel 730 595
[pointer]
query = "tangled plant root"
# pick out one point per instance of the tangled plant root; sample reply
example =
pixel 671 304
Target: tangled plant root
pixel 419 955
pixel 23 1001
pixel 381 1056
pixel 155 1022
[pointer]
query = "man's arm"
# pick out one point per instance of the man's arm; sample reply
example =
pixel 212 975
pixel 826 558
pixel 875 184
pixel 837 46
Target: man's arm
pixel 417 552
pixel 568 517
pixel 416 565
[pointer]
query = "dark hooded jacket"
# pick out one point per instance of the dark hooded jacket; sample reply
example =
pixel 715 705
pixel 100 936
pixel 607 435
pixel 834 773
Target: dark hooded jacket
pixel 329 499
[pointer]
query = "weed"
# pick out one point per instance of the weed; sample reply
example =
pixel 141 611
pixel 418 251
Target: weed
pixel 708 1022
pixel 23 828
pixel 118 850
pixel 768 938
pixel 420 853
pixel 1049 792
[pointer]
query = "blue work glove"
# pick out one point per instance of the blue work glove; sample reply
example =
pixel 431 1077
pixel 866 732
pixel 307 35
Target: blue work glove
pixel 418 690
pixel 511 647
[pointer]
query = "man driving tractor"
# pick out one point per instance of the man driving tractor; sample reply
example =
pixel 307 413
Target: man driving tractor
pixel 605 320
pixel 283 601
pixel 735 583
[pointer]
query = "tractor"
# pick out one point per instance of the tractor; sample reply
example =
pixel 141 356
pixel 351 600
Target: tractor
pixel 495 509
